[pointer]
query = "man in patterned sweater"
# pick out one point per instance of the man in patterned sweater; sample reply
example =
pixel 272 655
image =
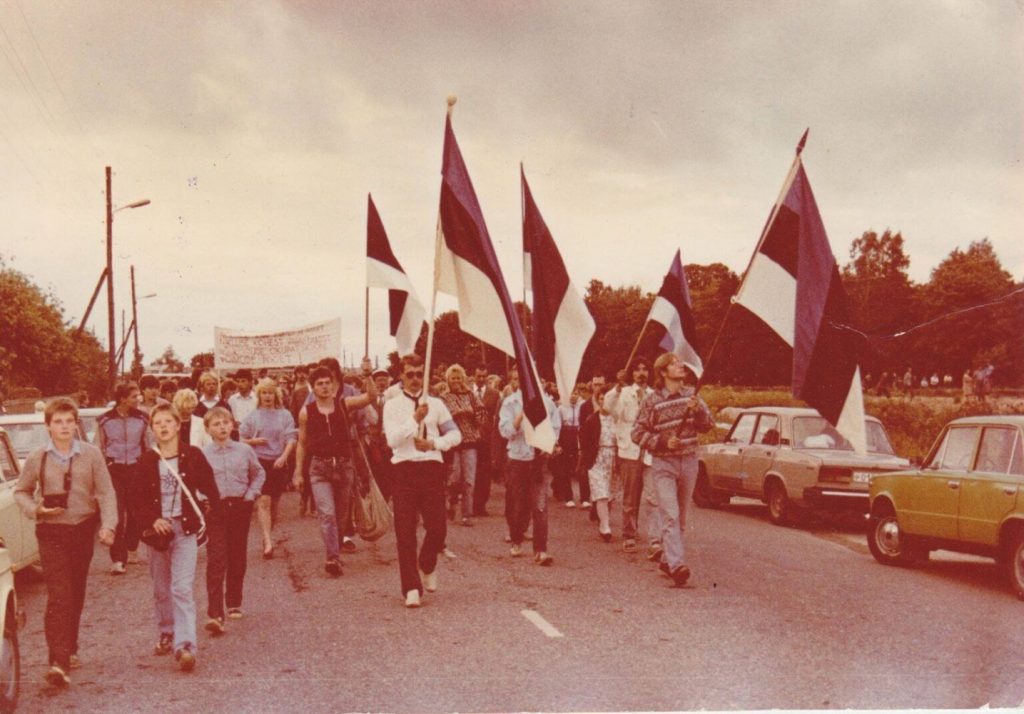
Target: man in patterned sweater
pixel 667 426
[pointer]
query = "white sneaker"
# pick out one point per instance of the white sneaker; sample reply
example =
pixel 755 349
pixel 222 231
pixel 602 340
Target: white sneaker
pixel 570 504
pixel 449 554
pixel 118 569
pixel 585 504
pixel 412 598
pixel 429 581
pixel 516 550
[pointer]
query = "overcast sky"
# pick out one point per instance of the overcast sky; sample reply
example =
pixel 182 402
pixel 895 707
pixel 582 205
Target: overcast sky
pixel 257 129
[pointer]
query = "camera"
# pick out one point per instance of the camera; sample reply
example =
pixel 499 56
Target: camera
pixel 55 500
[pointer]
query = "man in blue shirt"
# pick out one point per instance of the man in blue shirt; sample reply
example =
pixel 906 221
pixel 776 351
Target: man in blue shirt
pixel 527 481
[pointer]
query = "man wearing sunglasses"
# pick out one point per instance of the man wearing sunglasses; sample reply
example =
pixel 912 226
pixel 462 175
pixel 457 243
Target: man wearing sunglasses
pixel 418 428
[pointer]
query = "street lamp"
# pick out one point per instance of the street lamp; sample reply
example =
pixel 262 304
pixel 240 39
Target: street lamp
pixel 111 361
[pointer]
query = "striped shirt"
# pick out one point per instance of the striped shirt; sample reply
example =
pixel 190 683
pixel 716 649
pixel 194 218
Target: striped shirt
pixel 663 415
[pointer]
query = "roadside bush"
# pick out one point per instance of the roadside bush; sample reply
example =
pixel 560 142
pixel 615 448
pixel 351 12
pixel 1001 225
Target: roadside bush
pixel 912 424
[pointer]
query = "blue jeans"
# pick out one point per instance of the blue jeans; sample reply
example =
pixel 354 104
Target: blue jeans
pixel 174 574
pixel 674 478
pixel 331 483
pixel 462 478
pixel 649 508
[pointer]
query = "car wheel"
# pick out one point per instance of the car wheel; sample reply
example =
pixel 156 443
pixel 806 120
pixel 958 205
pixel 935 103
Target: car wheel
pixel 1014 562
pixel 780 508
pixel 886 540
pixel 704 496
pixel 10 665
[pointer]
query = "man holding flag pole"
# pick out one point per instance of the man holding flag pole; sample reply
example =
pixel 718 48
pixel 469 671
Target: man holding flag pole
pixel 671 324
pixel 467 267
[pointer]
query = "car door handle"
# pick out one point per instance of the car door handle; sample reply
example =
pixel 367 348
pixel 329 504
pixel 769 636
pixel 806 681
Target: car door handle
pixel 1010 490
pixel 954 485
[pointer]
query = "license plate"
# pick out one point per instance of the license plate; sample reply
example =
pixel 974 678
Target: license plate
pixel 861 477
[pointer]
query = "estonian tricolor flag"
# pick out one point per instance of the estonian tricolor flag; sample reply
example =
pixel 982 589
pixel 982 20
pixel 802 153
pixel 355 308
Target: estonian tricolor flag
pixel 384 271
pixel 468 269
pixel 793 285
pixel 562 324
pixel 673 310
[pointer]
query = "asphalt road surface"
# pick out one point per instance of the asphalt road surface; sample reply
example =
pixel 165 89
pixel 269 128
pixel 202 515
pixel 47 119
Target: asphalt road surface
pixel 773 618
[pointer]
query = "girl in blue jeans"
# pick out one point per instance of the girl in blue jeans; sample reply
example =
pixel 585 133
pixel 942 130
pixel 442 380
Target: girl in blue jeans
pixel 163 509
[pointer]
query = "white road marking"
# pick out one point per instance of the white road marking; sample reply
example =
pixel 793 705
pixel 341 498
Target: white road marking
pixel 543 625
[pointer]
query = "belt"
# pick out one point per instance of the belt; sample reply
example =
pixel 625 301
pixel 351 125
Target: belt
pixel 332 459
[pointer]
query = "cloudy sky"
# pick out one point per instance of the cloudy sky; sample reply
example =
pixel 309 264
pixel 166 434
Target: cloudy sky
pixel 257 129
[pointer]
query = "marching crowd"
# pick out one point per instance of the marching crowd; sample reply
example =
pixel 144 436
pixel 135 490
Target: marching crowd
pixel 179 465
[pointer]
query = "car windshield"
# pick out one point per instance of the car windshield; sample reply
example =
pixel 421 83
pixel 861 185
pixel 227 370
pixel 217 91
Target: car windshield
pixel 814 432
pixel 25 438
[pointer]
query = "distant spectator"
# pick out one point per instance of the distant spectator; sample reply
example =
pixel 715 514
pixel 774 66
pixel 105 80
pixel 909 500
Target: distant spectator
pixel 908 383
pixel 968 385
pixel 227 389
pixel 150 388
pixel 168 387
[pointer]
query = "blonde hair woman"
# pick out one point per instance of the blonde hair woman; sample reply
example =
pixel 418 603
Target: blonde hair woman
pixel 470 416
pixel 270 430
pixel 193 432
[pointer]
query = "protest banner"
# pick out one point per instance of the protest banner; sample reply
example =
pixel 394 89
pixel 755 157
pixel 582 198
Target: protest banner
pixel 234 349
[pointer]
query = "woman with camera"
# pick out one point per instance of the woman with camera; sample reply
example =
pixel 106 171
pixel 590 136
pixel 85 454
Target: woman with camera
pixel 74 483
pixel 164 504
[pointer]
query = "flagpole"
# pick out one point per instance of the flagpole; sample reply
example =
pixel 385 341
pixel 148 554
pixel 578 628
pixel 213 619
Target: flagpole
pixel 433 296
pixel 637 345
pixel 366 324
pixel 764 234
pixel 522 213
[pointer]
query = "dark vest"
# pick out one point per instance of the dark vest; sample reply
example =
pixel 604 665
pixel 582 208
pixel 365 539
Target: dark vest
pixel 327 434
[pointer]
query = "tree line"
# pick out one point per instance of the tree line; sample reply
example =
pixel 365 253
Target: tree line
pixel 39 348
pixel 884 304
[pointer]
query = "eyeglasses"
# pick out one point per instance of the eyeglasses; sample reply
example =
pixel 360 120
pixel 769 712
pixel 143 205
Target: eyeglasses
pixel 413 373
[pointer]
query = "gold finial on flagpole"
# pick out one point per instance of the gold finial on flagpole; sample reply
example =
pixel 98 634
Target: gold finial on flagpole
pixel 451 102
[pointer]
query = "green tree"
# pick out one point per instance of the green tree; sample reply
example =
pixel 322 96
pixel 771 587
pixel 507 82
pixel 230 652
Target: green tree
pixel 882 299
pixel 37 347
pixel 953 341
pixel 711 288
pixel 169 361
pixel 619 315
pixel 202 360
pixel 879 289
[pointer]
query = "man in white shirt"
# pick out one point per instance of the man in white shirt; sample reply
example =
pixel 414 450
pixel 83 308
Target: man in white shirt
pixel 623 403
pixel 244 401
pixel 418 428
pixel 569 440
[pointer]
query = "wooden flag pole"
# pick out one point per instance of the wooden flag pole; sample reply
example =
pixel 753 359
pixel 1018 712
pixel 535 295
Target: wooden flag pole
pixel 433 293
pixel 764 234
pixel 637 345
pixel 366 324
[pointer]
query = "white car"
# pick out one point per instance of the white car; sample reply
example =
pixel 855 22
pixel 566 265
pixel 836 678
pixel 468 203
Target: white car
pixel 28 432
pixel 10 659
pixel 18 533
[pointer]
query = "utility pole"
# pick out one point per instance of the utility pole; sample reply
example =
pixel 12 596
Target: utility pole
pixel 111 367
pixel 123 342
pixel 136 355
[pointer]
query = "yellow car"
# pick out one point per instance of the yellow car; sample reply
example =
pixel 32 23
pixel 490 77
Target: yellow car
pixel 968 496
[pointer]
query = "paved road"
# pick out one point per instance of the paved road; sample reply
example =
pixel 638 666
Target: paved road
pixel 775 618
